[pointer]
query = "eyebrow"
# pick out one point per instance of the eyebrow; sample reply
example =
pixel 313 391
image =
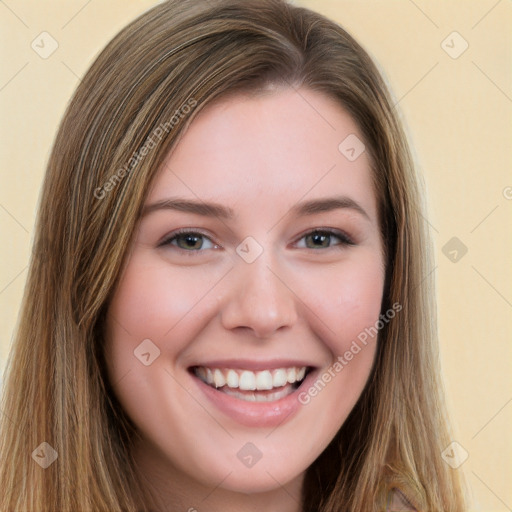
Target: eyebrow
pixel 209 209
pixel 186 205
pixel 327 205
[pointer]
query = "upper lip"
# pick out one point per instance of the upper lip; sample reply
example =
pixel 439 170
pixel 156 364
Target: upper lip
pixel 253 365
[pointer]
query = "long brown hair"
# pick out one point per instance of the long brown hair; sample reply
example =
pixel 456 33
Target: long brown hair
pixel 128 112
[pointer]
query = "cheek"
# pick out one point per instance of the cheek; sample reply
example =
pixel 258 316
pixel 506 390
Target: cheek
pixel 154 303
pixel 347 300
pixel 345 310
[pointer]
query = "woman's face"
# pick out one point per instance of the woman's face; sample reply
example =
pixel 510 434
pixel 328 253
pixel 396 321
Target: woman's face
pixel 257 259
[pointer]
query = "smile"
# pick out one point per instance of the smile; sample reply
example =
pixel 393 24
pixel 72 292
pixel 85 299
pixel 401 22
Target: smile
pixel 231 381
pixel 264 395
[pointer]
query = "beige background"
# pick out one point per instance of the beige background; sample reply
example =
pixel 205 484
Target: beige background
pixel 459 115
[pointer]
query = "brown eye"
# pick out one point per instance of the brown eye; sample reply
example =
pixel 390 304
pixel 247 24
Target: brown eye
pixel 189 241
pixel 318 239
pixel 324 239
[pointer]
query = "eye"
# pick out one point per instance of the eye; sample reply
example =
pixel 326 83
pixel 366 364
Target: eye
pixel 190 241
pixel 323 239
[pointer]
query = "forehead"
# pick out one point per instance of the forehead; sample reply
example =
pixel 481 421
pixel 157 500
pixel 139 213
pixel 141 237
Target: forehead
pixel 282 145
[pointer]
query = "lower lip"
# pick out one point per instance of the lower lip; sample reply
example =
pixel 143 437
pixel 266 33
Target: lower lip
pixel 256 414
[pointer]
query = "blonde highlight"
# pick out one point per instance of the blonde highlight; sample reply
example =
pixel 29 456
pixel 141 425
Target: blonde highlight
pixel 194 53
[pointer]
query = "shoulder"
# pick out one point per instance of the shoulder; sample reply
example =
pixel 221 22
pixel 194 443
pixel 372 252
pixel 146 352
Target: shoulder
pixel 397 502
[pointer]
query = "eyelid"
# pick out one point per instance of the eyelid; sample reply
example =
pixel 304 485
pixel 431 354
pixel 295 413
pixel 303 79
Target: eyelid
pixel 344 237
pixel 166 240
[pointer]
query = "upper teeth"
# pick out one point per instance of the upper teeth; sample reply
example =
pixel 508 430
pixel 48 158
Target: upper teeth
pixel 248 380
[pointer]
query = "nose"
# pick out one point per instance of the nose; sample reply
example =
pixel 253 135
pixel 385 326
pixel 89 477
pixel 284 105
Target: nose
pixel 259 300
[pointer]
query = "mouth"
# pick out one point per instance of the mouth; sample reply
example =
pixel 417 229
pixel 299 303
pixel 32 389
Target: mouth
pixel 267 385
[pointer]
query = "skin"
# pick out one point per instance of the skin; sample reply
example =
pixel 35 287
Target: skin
pixel 259 155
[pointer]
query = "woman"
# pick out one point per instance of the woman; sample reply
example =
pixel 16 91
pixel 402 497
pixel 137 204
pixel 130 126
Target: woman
pixel 229 307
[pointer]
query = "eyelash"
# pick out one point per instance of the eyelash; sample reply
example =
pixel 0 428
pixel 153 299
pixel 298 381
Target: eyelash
pixel 344 239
